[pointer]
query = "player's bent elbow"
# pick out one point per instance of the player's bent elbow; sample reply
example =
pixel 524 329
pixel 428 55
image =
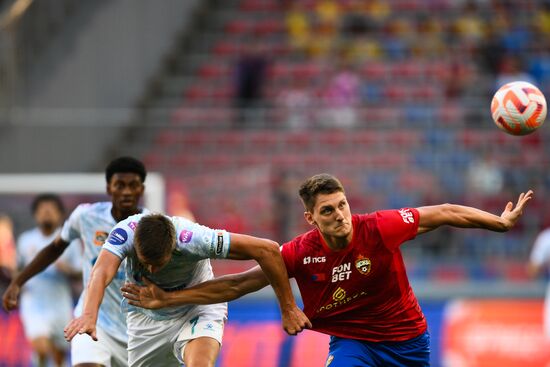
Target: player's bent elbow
pixel 268 248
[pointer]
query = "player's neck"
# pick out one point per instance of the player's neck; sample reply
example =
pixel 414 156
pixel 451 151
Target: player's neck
pixel 47 231
pixel 120 215
pixel 337 243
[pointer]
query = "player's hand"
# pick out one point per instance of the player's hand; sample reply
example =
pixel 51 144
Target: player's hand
pixel 11 297
pixel 510 215
pixel 147 296
pixel 294 320
pixel 84 324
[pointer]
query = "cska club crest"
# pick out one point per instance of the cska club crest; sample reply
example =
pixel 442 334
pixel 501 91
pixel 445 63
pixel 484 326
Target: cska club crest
pixel 363 265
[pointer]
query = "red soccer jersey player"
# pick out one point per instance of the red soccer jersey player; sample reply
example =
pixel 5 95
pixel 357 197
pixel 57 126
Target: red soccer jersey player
pixel 351 275
pixel 362 291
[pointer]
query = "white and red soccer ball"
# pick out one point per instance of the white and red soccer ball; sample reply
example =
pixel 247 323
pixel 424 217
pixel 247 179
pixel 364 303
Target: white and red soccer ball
pixel 518 108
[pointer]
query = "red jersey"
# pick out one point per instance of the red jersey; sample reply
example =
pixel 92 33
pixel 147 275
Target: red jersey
pixel 360 292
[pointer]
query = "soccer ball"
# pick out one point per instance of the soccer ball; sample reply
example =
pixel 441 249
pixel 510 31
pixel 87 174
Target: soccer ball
pixel 518 108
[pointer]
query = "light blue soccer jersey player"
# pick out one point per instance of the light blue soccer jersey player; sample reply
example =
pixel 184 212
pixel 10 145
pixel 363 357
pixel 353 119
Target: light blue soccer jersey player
pixel 174 253
pixel 91 223
pixel 46 300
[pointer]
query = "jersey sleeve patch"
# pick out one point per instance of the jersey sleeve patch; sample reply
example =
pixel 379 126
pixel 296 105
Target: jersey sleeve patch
pixel 397 226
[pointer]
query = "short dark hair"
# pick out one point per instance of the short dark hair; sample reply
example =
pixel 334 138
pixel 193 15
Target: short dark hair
pixel 155 237
pixel 125 165
pixel 45 198
pixel 322 183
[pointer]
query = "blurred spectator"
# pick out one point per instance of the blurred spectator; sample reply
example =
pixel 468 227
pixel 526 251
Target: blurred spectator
pixel 539 63
pixel 298 27
pixel 296 102
pixel 491 50
pixel 511 70
pixel 485 177
pixel 355 22
pixel 395 38
pixel 543 18
pixel 469 25
pixel 250 76
pixel 341 98
pixel 429 42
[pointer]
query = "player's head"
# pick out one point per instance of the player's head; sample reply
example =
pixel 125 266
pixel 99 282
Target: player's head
pixel 326 205
pixel 48 211
pixel 154 241
pixel 125 183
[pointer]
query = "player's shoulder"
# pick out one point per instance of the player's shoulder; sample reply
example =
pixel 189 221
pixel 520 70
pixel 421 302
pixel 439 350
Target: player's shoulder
pixel 365 221
pixel 544 237
pixel 28 235
pixel 92 208
pixel 309 239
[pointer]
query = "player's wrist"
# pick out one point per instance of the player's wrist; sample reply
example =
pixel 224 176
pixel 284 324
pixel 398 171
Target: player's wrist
pixel 90 316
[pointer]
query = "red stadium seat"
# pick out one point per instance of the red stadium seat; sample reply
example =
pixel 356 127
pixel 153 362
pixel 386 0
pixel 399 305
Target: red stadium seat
pixel 238 26
pixel 214 70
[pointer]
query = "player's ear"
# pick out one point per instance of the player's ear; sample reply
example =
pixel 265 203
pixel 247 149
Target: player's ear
pixel 309 217
pixel 108 189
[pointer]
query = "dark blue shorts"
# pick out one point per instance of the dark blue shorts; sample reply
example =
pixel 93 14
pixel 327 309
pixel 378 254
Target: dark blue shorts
pixel 357 353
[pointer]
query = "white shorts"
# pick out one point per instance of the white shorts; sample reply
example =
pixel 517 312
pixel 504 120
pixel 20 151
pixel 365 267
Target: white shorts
pixel 162 343
pixel 47 323
pixel 106 351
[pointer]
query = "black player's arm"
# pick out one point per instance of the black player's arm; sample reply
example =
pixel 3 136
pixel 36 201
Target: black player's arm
pixel 432 217
pixel 268 255
pixel 222 289
pixel 47 256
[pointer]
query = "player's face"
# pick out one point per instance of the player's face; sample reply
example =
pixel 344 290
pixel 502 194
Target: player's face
pixel 48 216
pixel 154 266
pixel 125 190
pixel 331 214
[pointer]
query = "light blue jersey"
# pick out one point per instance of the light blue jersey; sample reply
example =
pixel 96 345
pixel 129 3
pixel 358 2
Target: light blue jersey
pixel 48 292
pixel 189 265
pixel 92 224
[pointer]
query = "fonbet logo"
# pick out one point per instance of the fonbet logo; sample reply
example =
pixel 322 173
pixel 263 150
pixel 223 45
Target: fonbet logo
pixel 314 260
pixel 407 215
pixel 117 237
pixel 341 272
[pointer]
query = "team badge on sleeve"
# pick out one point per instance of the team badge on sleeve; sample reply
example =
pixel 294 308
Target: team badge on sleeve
pixel 363 265
pixel 186 236
pixel 118 236
pixel 407 215
pixel 219 245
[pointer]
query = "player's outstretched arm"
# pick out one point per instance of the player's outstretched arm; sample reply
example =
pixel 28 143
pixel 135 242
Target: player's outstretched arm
pixel 102 274
pixel 267 255
pixel 222 289
pixel 434 216
pixel 41 261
